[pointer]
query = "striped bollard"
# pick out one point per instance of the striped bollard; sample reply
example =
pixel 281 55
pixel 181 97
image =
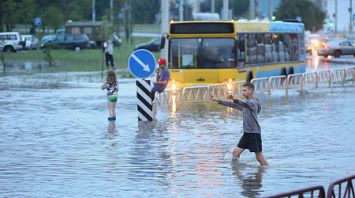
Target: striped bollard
pixel 144 100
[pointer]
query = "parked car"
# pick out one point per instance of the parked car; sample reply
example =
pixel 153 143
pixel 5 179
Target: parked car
pixel 92 30
pixel 70 41
pixel 337 48
pixel 10 41
pixel 31 42
pixel 47 38
pixel 153 45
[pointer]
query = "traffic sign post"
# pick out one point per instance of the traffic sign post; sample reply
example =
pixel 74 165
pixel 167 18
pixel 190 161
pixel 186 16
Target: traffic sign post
pixel 37 21
pixel 142 64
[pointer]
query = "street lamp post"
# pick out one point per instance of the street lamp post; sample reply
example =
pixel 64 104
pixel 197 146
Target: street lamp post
pixel 225 10
pixel 181 10
pixel 111 10
pixel 351 17
pixel 251 9
pixel 336 17
pixel 93 11
pixel 164 24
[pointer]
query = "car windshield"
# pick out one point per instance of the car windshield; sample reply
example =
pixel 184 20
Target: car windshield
pixel 202 53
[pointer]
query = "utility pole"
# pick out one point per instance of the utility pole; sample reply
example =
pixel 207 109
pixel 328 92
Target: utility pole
pixel 336 17
pixel 181 10
pixel 351 17
pixel 164 25
pixel 196 6
pixel 257 8
pixel 93 11
pixel 111 9
pixel 212 6
pixel 130 23
pixel 225 10
pixel 270 10
pixel 251 9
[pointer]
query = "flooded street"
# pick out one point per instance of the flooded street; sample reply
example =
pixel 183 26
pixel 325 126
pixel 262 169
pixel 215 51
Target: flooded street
pixel 57 142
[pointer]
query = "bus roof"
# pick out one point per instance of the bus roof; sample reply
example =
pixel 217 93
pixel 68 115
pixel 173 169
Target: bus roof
pixel 233 27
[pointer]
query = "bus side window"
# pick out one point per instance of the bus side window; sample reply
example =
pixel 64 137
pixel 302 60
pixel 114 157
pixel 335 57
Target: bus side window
pixel 294 51
pixel 241 49
pixel 174 55
pixel 252 49
pixel 268 49
pixel 286 42
pixel 260 48
pixel 275 47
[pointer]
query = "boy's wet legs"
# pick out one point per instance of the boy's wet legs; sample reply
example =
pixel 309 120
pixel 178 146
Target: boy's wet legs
pixel 236 153
pixel 260 157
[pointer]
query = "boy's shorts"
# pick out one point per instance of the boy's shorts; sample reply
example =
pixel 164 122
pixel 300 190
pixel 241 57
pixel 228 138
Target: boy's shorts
pixel 251 141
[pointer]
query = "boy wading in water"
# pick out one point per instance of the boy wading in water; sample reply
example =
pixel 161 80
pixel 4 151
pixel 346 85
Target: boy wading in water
pixel 250 107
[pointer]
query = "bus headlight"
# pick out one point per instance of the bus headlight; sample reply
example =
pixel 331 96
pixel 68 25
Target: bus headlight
pixel 173 86
pixel 229 86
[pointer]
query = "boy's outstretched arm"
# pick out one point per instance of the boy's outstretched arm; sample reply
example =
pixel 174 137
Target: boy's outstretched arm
pixel 243 103
pixel 227 103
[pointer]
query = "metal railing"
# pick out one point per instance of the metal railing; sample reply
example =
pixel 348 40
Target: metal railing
pixel 312 192
pixel 309 80
pixel 337 190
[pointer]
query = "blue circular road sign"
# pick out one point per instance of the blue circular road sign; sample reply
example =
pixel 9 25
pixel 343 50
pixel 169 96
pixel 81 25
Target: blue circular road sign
pixel 141 63
pixel 37 21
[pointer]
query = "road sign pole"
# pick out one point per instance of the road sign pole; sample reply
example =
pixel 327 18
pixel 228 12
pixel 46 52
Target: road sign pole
pixel 144 100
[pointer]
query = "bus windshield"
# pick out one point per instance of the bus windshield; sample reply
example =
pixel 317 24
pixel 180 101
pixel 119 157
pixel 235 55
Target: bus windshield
pixel 202 53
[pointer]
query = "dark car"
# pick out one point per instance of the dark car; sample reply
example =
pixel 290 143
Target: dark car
pixel 70 41
pixel 153 45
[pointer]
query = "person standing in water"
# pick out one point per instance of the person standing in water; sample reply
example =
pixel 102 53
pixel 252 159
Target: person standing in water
pixel 111 86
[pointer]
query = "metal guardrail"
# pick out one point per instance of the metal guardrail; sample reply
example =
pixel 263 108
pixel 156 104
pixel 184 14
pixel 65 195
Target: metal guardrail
pixel 326 78
pixel 198 93
pixel 312 192
pixel 337 190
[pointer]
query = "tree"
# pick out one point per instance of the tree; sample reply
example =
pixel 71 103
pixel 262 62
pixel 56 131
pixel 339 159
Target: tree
pixel 9 14
pixel 144 11
pixel 52 18
pixel 311 16
pixel 239 8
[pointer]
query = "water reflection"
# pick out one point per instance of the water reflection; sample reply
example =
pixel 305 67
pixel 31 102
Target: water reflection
pixel 250 177
pixel 111 129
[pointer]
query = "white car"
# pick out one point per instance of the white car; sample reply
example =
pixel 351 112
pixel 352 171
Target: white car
pixel 337 48
pixel 10 41
pixel 31 42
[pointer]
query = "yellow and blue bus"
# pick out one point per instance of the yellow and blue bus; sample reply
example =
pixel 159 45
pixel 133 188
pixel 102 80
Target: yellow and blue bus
pixel 212 52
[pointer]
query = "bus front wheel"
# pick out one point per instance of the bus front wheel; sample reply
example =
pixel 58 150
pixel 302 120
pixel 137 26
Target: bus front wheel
pixel 249 76
pixel 283 71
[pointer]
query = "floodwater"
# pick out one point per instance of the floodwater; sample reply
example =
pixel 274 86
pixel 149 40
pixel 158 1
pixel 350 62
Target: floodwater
pixel 57 142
